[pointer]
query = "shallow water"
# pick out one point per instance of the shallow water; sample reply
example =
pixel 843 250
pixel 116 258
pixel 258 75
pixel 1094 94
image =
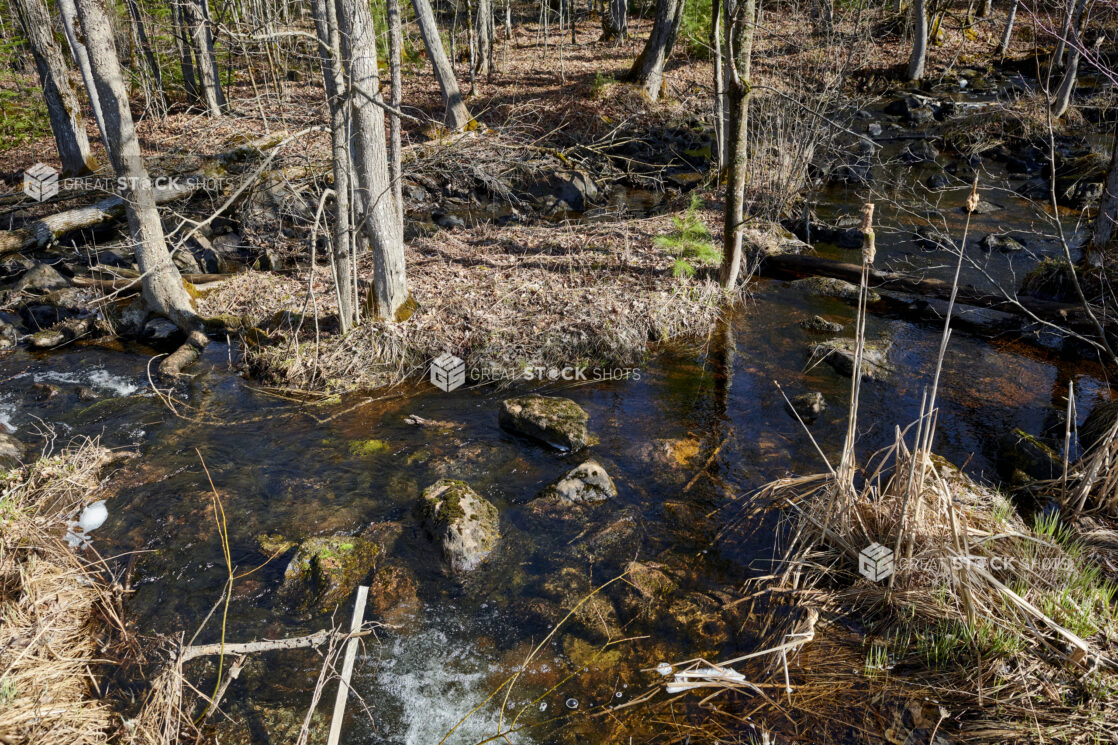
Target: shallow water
pixel 281 467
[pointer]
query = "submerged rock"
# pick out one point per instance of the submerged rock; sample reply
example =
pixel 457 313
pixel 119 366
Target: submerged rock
pixel 1098 424
pixel 588 482
pixel 325 570
pixel 1001 242
pixel 839 354
pixel 465 524
pixel 836 288
pixel 558 422
pixel 822 325
pixel 393 594
pixel 808 406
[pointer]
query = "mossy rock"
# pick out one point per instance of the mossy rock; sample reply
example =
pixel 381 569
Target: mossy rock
pixel 588 482
pixel 1023 457
pixel 834 288
pixel 274 543
pixel 1051 279
pixel 325 570
pixel 839 354
pixel 558 422
pixel 465 524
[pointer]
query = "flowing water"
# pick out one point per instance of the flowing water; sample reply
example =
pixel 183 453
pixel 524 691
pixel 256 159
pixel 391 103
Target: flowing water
pixel 296 470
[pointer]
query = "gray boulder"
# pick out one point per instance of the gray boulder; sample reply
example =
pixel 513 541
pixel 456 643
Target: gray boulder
pixel 588 482
pixel 558 422
pixel 461 521
pixel 41 279
pixel 11 451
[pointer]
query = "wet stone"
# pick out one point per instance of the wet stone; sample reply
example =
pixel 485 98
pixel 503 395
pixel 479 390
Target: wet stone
pixel 461 521
pixel 809 406
pixel 325 570
pixel 588 482
pixel 558 422
pixel 821 325
pixel 839 354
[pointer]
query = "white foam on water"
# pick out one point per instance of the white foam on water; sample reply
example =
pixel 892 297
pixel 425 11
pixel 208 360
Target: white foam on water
pixel 8 411
pixel 426 681
pixel 94 377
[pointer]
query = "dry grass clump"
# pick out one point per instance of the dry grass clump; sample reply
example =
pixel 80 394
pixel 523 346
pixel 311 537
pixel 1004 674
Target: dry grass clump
pixel 55 606
pixel 501 299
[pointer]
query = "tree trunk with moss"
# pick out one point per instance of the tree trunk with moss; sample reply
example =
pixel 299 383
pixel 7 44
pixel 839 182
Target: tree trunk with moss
pixel 63 106
pixel 740 18
pixel 648 69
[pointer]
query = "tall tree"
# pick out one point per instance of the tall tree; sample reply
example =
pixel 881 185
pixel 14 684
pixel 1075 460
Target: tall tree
pixel 1007 35
pixel 457 116
pixel 648 68
pixel 483 25
pixel 1062 100
pixel 63 108
pixel 741 17
pixel 1075 9
pixel 197 16
pixel 615 20
pixel 379 215
pixel 184 44
pixel 333 76
pixel 139 28
pixel 69 14
pixel 919 40
pixel 162 285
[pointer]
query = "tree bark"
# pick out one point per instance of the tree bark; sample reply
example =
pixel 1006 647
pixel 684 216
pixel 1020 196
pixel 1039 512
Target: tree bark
pixel 919 40
pixel 457 115
pixel 380 215
pixel 1062 100
pixel 333 76
pixel 198 21
pixel 63 106
pixel 162 284
pixel 740 24
pixel 985 7
pixel 615 20
pixel 719 84
pixel 395 146
pixel 483 65
pixel 1071 23
pixel 69 16
pixel 648 69
pixel 1007 35
pixel 1104 234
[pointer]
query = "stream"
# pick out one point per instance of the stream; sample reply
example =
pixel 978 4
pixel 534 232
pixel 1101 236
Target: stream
pixel 285 468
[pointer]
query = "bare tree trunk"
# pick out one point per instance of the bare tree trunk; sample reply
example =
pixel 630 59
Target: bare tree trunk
pixel 329 48
pixel 380 215
pixel 457 115
pixel 69 16
pixel 1062 100
pixel 140 28
pixel 615 20
pixel 985 8
pixel 483 23
pixel 1104 234
pixel 1007 35
pixel 719 84
pixel 919 40
pixel 63 106
pixel 395 154
pixel 740 24
pixel 197 16
pixel 181 29
pixel 162 285
pixel 648 69
pixel 1071 23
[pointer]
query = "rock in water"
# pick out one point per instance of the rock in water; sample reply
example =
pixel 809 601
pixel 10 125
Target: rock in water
pixel 325 570
pixel 558 422
pixel 808 406
pixel 588 482
pixel 822 325
pixel 836 288
pixel 463 522
pixel 1001 242
pixel 839 354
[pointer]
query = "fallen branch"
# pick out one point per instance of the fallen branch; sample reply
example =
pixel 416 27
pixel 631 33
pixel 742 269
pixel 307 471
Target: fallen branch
pixel 316 639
